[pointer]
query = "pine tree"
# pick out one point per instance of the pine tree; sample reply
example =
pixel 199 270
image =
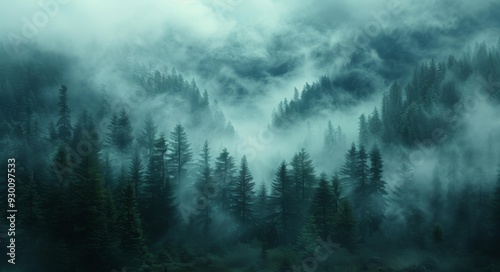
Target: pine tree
pixel 243 194
pixel 322 207
pixel 362 193
pixel 180 153
pixel 349 169
pixel 90 223
pixel 377 197
pixel 147 136
pixel 123 134
pixel 336 193
pixel 132 244
pixel 284 210
pixel 330 138
pixel 302 175
pixel 261 206
pixel 346 226
pixel 158 202
pixel 204 186
pixel 375 124
pixel 64 123
pixel 135 171
pixel 308 236
pixel 224 175
pixel 364 133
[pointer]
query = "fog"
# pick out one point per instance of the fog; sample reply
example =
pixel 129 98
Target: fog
pixel 249 56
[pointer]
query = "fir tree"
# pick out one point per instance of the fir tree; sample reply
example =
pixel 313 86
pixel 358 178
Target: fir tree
pixel 322 207
pixel 346 226
pixel 243 194
pixel 377 190
pixel 204 186
pixel 224 175
pixel 180 153
pixel 135 171
pixel 147 136
pixel 64 123
pixel 284 209
pixel 132 244
pixel 302 175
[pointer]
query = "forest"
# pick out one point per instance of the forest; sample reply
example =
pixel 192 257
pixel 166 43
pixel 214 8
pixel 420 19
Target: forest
pixel 184 144
pixel 134 196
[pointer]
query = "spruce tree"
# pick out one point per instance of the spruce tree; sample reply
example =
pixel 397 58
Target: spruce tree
pixel 362 193
pixel 180 154
pixel 132 244
pixel 364 133
pixel 135 171
pixel 377 197
pixel 346 226
pixel 283 207
pixel 303 175
pixel 322 207
pixel 147 136
pixel 349 169
pixel 224 175
pixel 205 187
pixel 64 122
pixel 243 196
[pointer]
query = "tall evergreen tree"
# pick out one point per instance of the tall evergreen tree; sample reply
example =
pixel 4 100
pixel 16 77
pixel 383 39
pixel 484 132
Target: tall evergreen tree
pixel 330 138
pixel 180 153
pixel 375 124
pixel 224 175
pixel 284 209
pixel 243 194
pixel 378 202
pixel 362 193
pixel 322 207
pixel 158 202
pixel 132 244
pixel 349 170
pixel 90 222
pixel 346 226
pixel 147 136
pixel 303 175
pixel 205 185
pixel 64 123
pixel 364 132
pixel 135 171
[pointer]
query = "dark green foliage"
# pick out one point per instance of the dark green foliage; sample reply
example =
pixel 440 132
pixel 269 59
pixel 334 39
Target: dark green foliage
pixel 364 132
pixel 322 208
pixel 180 153
pixel 64 122
pixel 224 177
pixel 284 206
pixel 437 234
pixel 147 136
pixel 206 189
pixel 349 170
pixel 302 175
pixel 346 226
pixel 378 194
pixel 135 171
pixel 157 199
pixel 243 195
pixel 132 245
pixel 120 135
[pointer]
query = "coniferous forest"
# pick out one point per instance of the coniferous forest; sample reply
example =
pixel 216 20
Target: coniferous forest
pixel 209 137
